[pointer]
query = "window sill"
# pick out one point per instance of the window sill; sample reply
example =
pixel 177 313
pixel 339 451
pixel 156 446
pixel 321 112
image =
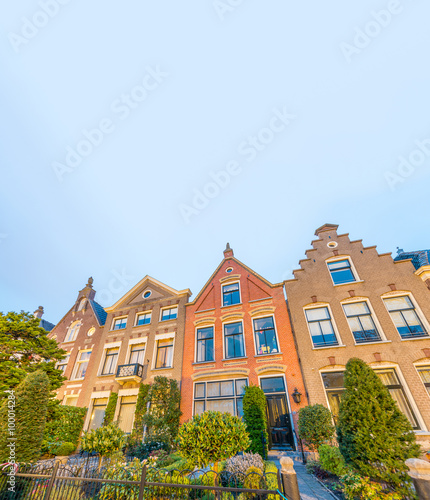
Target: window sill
pixel 426 337
pixel 164 368
pixel 232 305
pixel 233 359
pixel 205 310
pixel 167 320
pixel 271 354
pixel 203 362
pixel 141 326
pixel 117 331
pixel 375 342
pixel 106 375
pixel 328 347
pixel 349 283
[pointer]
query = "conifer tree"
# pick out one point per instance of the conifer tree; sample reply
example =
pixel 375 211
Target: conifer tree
pixel 374 436
pixel 255 418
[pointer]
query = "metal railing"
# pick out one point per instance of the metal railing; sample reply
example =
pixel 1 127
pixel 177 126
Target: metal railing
pixel 134 369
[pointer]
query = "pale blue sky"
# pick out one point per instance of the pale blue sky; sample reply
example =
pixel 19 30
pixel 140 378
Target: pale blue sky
pixel 222 76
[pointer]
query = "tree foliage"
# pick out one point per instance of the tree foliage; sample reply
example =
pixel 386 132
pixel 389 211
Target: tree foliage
pixel 25 348
pixel 374 436
pixel 162 418
pixel 29 418
pixel 65 425
pixel 315 426
pixel 211 437
pixel 110 409
pixel 255 418
pixel 104 440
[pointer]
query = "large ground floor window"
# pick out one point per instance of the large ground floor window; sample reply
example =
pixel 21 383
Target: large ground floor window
pixel 97 413
pixel 334 387
pixel 223 395
pixel 126 413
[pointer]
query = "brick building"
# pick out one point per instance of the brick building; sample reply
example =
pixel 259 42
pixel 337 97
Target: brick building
pixel 349 301
pixel 238 333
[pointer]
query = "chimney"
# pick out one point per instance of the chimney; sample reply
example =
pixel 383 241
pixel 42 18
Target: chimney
pixel 38 313
pixel 228 252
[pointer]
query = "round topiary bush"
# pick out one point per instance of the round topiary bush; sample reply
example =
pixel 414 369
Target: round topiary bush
pixel 65 449
pixel 315 426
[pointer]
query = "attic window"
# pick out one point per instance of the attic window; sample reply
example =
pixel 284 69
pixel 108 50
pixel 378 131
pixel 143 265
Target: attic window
pixel 229 270
pixel 147 294
pixel 332 244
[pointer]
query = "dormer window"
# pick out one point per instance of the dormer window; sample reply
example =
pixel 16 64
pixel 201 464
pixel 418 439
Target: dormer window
pixel 230 294
pixel 72 333
pixel 341 271
pixel 82 304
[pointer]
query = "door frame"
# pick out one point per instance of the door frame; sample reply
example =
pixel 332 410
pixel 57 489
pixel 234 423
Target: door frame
pixel 287 396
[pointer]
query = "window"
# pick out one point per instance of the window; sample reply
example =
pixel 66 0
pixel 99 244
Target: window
pixel 272 384
pixel 82 304
pixel 70 401
pixel 110 361
pixel 265 336
pixel 230 294
pixel 224 396
pixel 126 413
pixel 424 372
pixel 72 332
pixel 147 294
pixel 82 364
pixel 233 335
pixel 405 317
pixel 91 331
pixel 97 413
pixel 321 327
pixel 169 313
pixel 137 354
pixel 143 319
pixel 391 381
pixel 341 271
pixel 361 322
pixel 334 388
pixel 205 344
pixel 119 323
pixel 62 365
pixel 164 353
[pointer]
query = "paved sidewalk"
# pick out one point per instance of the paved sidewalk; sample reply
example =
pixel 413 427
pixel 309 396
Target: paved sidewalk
pixel 310 488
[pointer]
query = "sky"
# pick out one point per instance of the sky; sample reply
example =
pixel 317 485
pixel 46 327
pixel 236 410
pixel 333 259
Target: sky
pixel 139 137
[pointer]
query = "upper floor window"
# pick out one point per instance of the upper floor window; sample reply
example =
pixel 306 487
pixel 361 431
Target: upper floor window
pixel 205 344
pixel 230 294
pixel 82 364
pixel 143 319
pixel 137 354
pixel 405 317
pixel 109 364
pixel 341 271
pixel 321 327
pixel 361 322
pixel 169 313
pixel 72 332
pixel 164 354
pixel 424 372
pixel 265 336
pixel 82 304
pixel 62 365
pixel 119 323
pixel 234 343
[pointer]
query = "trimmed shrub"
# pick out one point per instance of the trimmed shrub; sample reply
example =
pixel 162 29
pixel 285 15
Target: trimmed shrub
pixel 331 460
pixel 255 418
pixel 104 440
pixel 31 401
pixel 143 450
pixel 211 437
pixel 65 424
pixel 374 436
pixel 356 487
pixel 65 449
pixel 110 409
pixel 254 479
pixel 241 463
pixel 271 478
pixel 315 426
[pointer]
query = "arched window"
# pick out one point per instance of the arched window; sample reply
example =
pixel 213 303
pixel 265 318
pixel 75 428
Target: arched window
pixel 82 304
pixel 73 331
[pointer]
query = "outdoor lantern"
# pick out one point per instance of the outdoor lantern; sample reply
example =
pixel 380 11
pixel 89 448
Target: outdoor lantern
pixel 297 396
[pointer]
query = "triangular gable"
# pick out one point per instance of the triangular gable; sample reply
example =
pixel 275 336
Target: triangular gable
pixel 255 291
pixel 208 300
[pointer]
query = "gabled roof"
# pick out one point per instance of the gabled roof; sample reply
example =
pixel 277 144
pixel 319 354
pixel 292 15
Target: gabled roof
pixel 251 271
pixel 143 282
pixel 99 312
pixel 419 257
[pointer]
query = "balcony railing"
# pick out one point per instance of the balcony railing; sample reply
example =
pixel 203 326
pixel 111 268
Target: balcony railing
pixel 129 373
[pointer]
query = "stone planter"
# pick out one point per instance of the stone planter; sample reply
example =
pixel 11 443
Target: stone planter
pixel 62 459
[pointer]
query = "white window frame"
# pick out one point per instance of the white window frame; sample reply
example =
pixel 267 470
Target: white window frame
pixel 117 318
pixel 77 324
pixel 133 342
pixel 111 345
pixel 320 305
pixel 143 313
pixel 357 300
pixel 175 306
pixel 339 258
pixel 422 364
pixel 94 395
pixel 262 316
pixel 64 362
pixel 228 283
pixel 229 322
pixel 69 396
pixel 417 308
pixel 163 336
pixel 198 327
pixel 77 363
pixel 236 377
